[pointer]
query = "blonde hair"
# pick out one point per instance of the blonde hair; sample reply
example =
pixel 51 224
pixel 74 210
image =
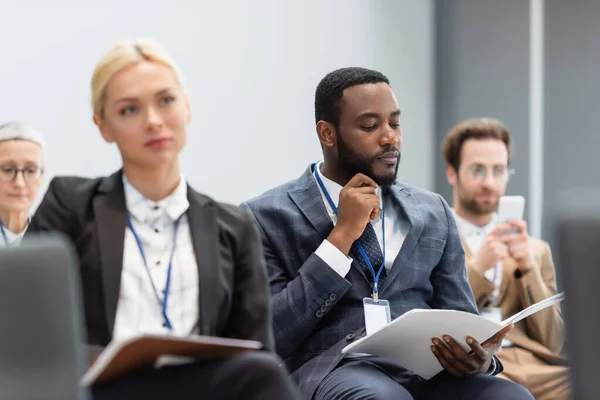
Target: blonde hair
pixel 123 55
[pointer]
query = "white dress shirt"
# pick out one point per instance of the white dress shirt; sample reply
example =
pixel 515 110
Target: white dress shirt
pixel 12 239
pixel 138 310
pixel 394 236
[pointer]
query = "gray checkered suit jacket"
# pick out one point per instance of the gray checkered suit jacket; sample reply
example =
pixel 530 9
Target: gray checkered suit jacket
pixel 316 311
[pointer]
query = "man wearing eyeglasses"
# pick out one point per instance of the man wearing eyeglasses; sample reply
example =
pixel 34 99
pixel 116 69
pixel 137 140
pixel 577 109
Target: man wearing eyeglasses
pixel 21 160
pixel 507 271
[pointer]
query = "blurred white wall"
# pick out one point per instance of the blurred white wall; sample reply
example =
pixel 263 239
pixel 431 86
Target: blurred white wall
pixel 251 68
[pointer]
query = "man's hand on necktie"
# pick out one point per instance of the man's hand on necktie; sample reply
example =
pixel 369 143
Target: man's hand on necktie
pixel 358 205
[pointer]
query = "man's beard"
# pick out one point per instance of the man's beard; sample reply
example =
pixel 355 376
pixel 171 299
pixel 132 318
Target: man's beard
pixel 471 205
pixel 353 163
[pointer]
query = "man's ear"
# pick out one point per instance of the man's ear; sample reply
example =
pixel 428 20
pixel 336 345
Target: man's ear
pixel 326 133
pixel 99 122
pixel 451 175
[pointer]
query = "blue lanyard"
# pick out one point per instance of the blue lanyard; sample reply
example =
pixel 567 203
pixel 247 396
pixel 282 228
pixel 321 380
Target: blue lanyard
pixel 361 250
pixel 162 303
pixel 4 234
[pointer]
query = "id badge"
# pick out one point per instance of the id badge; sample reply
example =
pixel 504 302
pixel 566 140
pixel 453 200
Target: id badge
pixel 377 314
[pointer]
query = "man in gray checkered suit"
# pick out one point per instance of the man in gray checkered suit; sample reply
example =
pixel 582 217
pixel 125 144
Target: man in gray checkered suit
pixel 345 230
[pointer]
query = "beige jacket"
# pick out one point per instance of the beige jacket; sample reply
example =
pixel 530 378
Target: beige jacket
pixel 541 333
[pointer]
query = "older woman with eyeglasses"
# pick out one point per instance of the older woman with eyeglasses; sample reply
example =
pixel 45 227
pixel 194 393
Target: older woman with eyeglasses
pixel 21 169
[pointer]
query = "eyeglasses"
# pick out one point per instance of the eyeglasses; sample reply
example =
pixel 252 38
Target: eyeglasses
pixel 8 173
pixel 479 173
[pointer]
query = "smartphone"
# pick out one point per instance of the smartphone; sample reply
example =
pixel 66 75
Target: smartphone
pixel 511 208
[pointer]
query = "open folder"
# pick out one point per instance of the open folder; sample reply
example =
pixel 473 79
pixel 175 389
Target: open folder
pixel 121 357
pixel 407 339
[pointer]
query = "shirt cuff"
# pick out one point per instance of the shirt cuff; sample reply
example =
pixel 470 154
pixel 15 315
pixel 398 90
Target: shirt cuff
pixel 333 257
pixel 492 369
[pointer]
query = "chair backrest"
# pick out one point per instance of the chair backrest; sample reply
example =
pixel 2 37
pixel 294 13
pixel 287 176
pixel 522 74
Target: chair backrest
pixel 41 331
pixel 578 249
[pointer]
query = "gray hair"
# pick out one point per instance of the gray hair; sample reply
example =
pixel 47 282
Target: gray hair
pixel 20 131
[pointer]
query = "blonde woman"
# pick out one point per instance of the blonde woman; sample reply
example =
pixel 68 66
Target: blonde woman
pixel 21 169
pixel 156 256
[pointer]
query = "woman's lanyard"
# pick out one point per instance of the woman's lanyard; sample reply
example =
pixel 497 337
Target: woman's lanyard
pixel 4 234
pixel 359 247
pixel 162 303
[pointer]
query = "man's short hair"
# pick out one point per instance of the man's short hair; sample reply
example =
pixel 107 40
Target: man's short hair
pixel 474 128
pixel 331 90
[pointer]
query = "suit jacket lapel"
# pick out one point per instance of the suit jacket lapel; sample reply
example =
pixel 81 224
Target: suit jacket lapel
pixel 415 218
pixel 307 197
pixel 204 233
pixel 110 213
pixel 466 248
pixel 508 270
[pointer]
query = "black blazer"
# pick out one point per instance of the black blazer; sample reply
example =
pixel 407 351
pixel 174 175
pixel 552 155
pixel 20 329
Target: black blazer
pixel 234 300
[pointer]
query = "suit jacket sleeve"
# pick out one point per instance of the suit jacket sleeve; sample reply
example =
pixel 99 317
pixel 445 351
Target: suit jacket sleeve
pixel 300 298
pixel 55 214
pixel 251 311
pixel 539 283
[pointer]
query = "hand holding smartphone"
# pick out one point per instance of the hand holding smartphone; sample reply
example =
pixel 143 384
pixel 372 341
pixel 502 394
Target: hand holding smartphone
pixel 511 208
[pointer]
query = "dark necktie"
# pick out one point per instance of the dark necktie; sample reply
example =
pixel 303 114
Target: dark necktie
pixel 370 244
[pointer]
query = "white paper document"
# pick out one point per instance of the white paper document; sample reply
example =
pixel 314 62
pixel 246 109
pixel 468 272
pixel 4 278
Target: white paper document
pixel 532 309
pixel 407 339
